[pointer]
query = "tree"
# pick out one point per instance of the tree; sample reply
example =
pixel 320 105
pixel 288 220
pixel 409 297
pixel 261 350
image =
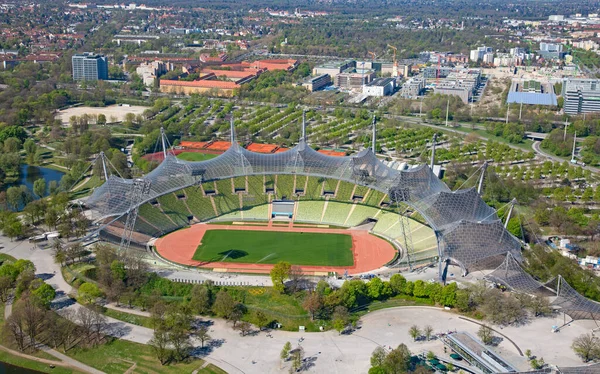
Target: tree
pixel 14 197
pixel 398 360
pixel 279 273
pixel 30 150
pixel 224 304
pixel 397 282
pixel 261 320
pixel 586 346
pixel 5 287
pixel 101 119
pixel 297 278
pixel 297 358
pixel 160 345
pixel 200 299
pixel 244 327
pixel 12 145
pixel 414 332
pixel 202 334
pixel 12 226
pixel 39 187
pixel 285 351
pixel 427 331
pixel 340 318
pixel 486 334
pixel 378 357
pixel 88 293
pixel 45 293
pixel 313 302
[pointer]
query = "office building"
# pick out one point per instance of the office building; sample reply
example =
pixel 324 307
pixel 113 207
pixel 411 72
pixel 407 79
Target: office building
pixel 551 50
pixel 333 68
pixel 413 88
pixel 90 67
pixel 477 54
pixel 354 79
pixel 316 83
pixel 460 82
pixel 380 87
pixel 581 96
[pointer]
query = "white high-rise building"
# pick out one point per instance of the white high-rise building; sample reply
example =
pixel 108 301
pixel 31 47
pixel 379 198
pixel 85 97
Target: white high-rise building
pixel 477 54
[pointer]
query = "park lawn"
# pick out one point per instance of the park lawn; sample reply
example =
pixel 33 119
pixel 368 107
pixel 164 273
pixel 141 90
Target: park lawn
pixel 33 365
pixel 283 308
pixel 134 319
pixel 271 247
pixel 400 300
pixel 117 357
pixel 195 156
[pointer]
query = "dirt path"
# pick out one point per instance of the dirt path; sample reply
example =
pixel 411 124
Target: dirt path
pixel 370 252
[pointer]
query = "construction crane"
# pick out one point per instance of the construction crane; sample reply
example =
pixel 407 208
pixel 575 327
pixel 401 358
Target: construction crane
pixel 373 55
pixel 395 66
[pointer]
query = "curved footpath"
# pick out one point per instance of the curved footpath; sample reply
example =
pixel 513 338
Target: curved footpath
pixel 329 351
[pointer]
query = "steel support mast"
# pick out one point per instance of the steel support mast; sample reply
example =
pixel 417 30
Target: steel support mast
pixel 140 189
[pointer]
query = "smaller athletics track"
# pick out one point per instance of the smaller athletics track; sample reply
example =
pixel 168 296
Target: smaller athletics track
pixel 369 251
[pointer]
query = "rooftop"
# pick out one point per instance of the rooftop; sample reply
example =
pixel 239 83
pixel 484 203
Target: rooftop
pixel 201 83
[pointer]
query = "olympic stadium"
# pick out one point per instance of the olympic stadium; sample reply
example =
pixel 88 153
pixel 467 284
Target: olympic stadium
pixel 456 227
pixel 302 191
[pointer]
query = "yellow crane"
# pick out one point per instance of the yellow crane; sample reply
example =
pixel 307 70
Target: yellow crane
pixel 395 66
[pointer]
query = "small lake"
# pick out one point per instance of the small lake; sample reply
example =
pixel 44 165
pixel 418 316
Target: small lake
pixel 30 174
pixel 10 369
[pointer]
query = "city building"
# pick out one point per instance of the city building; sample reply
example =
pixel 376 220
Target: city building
pixel 551 50
pixel 506 59
pixel 214 87
pixel 531 92
pixel 477 54
pixel 89 66
pixel 333 68
pixel 581 96
pixel 149 71
pixel 316 83
pixel 556 18
pixel 586 44
pixel 413 88
pixel 460 82
pixel 380 87
pixel 354 79
pixel 488 58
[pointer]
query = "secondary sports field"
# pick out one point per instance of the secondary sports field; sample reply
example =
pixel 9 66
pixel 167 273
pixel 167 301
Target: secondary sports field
pixel 368 252
pixel 195 156
pixel 270 247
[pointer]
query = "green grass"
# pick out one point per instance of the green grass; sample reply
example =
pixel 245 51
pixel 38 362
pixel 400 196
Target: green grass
pixel 111 357
pixel 134 319
pixel 285 309
pixel 400 300
pixel 33 365
pixel 269 247
pixel 195 156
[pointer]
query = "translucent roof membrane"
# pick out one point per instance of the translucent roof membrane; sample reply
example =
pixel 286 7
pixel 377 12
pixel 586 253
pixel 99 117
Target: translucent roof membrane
pixel 512 275
pixel 572 303
pixel 470 231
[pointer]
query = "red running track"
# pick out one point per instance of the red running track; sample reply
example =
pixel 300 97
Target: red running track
pixel 370 252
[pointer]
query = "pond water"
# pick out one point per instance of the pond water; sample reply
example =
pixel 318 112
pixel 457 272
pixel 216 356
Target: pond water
pixel 30 173
pixel 10 369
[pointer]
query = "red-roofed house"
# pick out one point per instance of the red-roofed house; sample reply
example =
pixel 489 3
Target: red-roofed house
pixel 218 88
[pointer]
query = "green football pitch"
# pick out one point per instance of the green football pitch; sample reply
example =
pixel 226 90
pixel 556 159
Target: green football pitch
pixel 270 247
pixel 195 156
